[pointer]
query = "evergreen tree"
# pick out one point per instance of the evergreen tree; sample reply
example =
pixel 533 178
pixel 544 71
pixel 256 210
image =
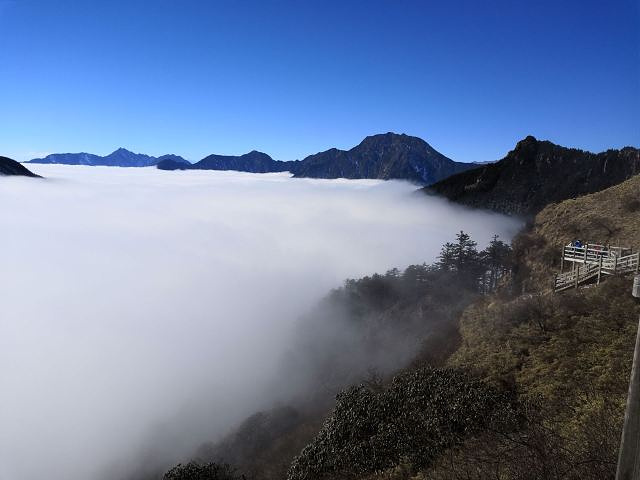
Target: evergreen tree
pixel 446 259
pixel 496 259
pixel 462 258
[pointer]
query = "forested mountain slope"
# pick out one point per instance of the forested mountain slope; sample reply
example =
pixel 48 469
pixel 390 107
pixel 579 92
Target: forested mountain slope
pixel 537 173
pixel 539 378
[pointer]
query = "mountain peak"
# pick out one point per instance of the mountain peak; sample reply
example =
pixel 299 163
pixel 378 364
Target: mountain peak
pixel 392 138
pixel 526 147
pixel 121 150
pixel 527 178
pixel 527 142
pixel 384 156
pixel 389 136
pixel 256 153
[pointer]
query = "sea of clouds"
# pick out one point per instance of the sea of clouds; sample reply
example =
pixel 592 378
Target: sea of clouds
pixel 139 304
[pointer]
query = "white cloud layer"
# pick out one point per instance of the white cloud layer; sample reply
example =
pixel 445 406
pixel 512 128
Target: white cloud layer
pixel 138 303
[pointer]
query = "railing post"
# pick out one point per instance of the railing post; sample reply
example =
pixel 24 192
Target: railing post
pixel 629 456
pixel 586 248
pixel 615 264
pixel 599 270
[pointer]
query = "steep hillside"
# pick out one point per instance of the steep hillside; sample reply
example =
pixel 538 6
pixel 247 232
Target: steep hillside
pixel 537 173
pixel 611 216
pixel 363 331
pixel 540 379
pixel 11 167
pixel 566 358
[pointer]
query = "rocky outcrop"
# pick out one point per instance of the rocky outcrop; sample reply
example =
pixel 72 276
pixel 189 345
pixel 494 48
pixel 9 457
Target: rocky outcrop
pixel 537 173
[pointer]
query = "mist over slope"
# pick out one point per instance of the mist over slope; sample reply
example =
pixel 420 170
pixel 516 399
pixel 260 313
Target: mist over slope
pixel 136 303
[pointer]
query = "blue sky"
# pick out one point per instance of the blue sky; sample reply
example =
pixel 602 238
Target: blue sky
pixel 292 78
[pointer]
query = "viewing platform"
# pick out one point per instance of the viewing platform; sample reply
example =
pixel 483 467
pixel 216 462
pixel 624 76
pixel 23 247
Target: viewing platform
pixel 589 262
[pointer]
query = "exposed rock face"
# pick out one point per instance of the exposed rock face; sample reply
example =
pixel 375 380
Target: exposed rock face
pixel 120 158
pixel 386 156
pixel 11 167
pixel 537 173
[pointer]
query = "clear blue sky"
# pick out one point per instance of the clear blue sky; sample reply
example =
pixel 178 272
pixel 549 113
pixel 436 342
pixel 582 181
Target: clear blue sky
pixel 293 78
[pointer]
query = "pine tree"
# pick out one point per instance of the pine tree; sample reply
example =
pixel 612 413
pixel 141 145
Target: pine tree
pixel 496 259
pixel 462 258
pixel 446 259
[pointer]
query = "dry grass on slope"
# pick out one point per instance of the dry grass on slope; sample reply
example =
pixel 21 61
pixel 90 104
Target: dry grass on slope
pixel 611 216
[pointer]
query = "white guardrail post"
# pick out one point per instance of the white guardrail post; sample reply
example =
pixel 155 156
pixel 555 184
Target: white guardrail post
pixel 629 455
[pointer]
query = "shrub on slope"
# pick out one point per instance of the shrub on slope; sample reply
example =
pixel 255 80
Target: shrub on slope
pixel 419 415
pixel 571 355
pixel 196 471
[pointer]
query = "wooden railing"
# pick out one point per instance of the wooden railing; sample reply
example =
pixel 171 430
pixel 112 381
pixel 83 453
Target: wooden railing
pixel 591 252
pixel 626 264
pixel 594 261
pixel 573 279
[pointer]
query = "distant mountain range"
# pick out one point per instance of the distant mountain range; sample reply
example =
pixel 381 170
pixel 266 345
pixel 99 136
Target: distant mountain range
pixel 529 177
pixel 120 158
pixel 254 162
pixel 11 167
pixel 537 173
pixel 385 156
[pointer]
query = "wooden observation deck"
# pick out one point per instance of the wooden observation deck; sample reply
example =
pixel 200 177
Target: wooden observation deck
pixel 591 261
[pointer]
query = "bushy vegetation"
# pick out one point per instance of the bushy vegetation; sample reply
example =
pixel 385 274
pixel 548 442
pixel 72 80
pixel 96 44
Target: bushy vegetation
pixel 569 354
pixel 541 449
pixel 564 359
pixel 567 360
pixel 577 340
pixel 414 419
pixel 384 321
pixel 367 329
pixel 207 471
pixel 264 444
pixel 511 382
